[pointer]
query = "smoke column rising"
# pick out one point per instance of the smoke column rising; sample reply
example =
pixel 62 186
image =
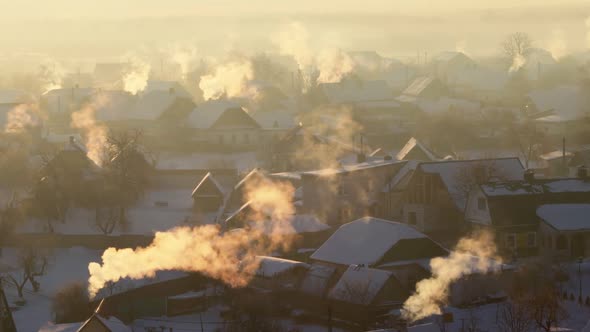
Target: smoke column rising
pixel 230 79
pixel 136 76
pixel 21 117
pixel 95 133
pixel 473 254
pixel 228 256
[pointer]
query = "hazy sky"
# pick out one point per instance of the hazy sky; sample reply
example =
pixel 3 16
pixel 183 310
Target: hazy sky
pixel 157 8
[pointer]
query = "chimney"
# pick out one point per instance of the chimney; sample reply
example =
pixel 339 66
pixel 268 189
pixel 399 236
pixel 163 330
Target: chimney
pixel 529 175
pixel 582 172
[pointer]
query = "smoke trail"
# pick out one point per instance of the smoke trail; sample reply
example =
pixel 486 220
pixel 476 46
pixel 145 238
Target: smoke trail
pixel 517 63
pixel 95 133
pixel 229 257
pixel 21 117
pixel 136 75
pixel 473 254
pixel 293 40
pixel 185 57
pixel 333 65
pixel 51 75
pixel 228 79
pixel 557 44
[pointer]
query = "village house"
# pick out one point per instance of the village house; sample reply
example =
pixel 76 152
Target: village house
pixel 511 208
pixel 449 64
pixel 347 192
pixel 565 229
pixel 380 244
pixel 436 195
pixel 560 111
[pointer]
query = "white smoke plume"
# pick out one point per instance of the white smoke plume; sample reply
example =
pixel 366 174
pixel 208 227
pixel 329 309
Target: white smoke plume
pixel 95 133
pixel 473 254
pixel 293 40
pixel 228 79
pixel 51 75
pixel 518 62
pixel 21 117
pixel 333 65
pixel 136 75
pixel 228 256
pixel 461 46
pixel 557 44
pixel 185 57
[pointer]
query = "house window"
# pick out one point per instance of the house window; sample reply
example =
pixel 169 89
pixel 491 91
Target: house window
pixel 412 219
pixel 481 203
pixel 246 139
pixel 511 241
pixel 531 240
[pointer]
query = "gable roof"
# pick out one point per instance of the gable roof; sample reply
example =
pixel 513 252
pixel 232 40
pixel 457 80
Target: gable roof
pixel 413 144
pixel 364 241
pixel 418 85
pixel 205 114
pixel 401 179
pixel 537 187
pixel 566 217
pixel 343 169
pixel 272 266
pixel 208 187
pixel 170 87
pixel 351 90
pixel 508 168
pixel 111 324
pixel 359 285
pixel 446 56
pixel 234 118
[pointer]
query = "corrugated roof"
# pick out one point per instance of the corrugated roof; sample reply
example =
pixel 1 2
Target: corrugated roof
pixel 359 285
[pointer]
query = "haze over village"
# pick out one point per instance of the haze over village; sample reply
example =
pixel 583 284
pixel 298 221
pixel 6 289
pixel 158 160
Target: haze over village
pixel 295 166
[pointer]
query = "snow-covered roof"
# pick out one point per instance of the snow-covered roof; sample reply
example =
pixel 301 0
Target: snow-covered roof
pixel 359 285
pixel 168 87
pixel 400 180
pixel 506 168
pixel 418 85
pixel 352 167
pixel 566 217
pixel 114 105
pixel 273 266
pixel 450 55
pixel 412 144
pixel 568 102
pixel 112 323
pixel 444 104
pixel 151 105
pixel 557 154
pixel 274 120
pixel 364 241
pixel 350 91
pixel 538 187
pixel 205 114
pixel 70 327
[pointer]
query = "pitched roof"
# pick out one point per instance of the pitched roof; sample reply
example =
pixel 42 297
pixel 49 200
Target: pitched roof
pixel 208 186
pixel 171 87
pixel 205 114
pixel 353 167
pixel 416 144
pixel 364 241
pixel 566 217
pixel 359 285
pixel 274 120
pixel 418 86
pixel 152 105
pixel 234 118
pixel 273 266
pixel 537 187
pixel 401 179
pixel 450 55
pixel 317 279
pixel 507 168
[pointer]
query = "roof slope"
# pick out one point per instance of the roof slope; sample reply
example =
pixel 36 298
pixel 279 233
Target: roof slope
pixel 359 285
pixel 538 187
pixel 234 117
pixel 566 217
pixel 413 144
pixel 364 241
pixel 507 169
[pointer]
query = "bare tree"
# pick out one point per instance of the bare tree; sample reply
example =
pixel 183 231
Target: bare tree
pixel 127 169
pixel 547 309
pixel 469 176
pixel 71 304
pixel 33 264
pixel 515 316
pixel 10 216
pixel 517 44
